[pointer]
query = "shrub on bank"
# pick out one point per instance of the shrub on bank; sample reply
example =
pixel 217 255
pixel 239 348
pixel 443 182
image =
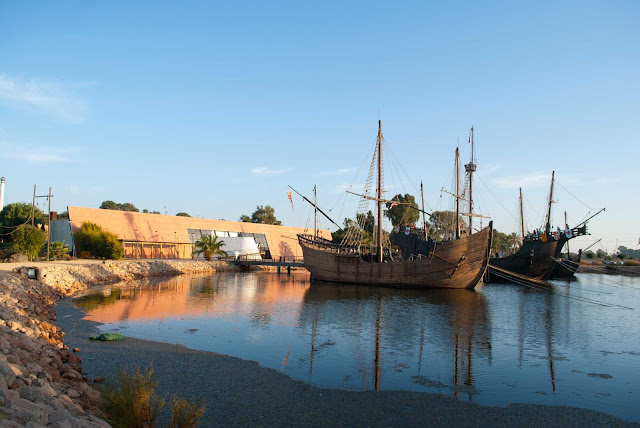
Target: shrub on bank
pixel 28 240
pixel 129 401
pixel 185 414
pixel 632 263
pixel 58 250
pixel 97 242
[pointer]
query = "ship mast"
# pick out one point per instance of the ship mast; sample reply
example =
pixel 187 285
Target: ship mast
pixel 470 168
pixel 566 225
pixel 458 193
pixel 547 226
pixel 424 221
pixel 315 220
pixel 521 216
pixel 379 192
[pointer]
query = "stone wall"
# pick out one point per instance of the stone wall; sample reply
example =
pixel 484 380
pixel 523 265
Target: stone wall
pixel 41 381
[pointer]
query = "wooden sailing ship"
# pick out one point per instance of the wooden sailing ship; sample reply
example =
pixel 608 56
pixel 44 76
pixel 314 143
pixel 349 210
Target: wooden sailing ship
pixel 538 256
pixel 458 263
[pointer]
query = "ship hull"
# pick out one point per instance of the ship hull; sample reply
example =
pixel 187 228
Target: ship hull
pixel 457 264
pixel 535 259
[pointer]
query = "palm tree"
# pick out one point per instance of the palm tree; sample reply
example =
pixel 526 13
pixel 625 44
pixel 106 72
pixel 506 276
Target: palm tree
pixel 210 246
pixel 513 242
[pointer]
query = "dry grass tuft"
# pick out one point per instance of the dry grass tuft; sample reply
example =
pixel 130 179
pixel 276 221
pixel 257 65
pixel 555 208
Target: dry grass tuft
pixel 129 400
pixel 185 414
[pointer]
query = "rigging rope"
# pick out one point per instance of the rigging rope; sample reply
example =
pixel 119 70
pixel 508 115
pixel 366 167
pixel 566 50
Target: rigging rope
pixel 494 196
pixel 15 227
pixel 575 197
pixel 567 295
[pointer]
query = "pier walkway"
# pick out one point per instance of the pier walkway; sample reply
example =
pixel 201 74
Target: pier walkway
pixel 279 263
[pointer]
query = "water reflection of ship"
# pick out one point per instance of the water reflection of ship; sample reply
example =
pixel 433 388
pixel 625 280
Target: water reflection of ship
pixel 455 321
pixel 543 338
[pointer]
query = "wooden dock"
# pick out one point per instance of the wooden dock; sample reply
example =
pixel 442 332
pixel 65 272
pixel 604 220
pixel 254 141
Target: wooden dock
pixel 279 263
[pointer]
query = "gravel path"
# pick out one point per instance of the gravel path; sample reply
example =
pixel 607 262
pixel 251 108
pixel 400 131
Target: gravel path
pixel 242 393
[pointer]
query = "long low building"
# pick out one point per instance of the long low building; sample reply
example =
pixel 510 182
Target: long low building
pixel 163 236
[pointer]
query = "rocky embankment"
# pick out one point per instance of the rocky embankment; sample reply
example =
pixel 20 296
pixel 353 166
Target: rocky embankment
pixel 41 381
pixel 70 278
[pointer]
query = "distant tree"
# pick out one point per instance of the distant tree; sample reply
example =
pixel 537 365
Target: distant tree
pixel 512 243
pixel 146 211
pixel 13 215
pixel 508 244
pixel 262 215
pixel 600 254
pixel 499 242
pixel 244 218
pixel 181 214
pixel 109 205
pixel 210 246
pixel 629 252
pixel 155 212
pixel 442 224
pixel 28 240
pixel 621 256
pixel 590 254
pixel 360 229
pixel 127 206
pixel 404 213
pixel 64 215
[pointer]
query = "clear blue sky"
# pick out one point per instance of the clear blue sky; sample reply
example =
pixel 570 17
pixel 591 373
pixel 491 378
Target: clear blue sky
pixel 215 107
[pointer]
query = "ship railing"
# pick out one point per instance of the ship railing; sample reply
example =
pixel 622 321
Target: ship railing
pixel 326 245
pixel 576 231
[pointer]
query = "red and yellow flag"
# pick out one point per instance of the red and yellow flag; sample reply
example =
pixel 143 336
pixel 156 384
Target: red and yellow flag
pixel 290 200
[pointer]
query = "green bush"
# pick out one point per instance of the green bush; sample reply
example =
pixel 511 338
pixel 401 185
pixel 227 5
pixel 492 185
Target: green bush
pixel 97 242
pixel 28 240
pixel 58 250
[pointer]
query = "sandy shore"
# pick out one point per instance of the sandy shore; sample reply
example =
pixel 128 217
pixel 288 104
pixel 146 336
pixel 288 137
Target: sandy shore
pixel 242 393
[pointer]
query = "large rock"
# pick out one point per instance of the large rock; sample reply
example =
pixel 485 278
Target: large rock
pixel 17 258
pixel 26 411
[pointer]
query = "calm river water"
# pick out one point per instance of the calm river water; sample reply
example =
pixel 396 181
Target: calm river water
pixel 503 343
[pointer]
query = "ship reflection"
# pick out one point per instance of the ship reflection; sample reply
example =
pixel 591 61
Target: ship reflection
pixel 356 337
pixel 429 325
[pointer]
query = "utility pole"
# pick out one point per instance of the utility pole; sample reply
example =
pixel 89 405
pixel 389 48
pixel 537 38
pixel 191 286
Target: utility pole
pixel 33 205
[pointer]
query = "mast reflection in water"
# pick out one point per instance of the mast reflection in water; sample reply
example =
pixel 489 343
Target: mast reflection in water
pixel 498 345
